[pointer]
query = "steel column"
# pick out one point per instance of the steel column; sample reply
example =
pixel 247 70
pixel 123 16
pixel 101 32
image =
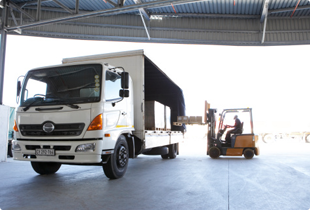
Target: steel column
pixel 3 46
pixel 265 11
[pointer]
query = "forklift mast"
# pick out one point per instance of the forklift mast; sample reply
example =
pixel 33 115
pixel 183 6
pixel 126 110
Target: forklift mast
pixel 211 120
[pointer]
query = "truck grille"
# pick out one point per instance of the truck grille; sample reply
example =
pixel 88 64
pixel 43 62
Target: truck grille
pixel 57 148
pixel 59 130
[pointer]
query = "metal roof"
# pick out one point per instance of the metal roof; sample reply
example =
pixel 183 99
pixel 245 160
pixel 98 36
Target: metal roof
pixel 229 22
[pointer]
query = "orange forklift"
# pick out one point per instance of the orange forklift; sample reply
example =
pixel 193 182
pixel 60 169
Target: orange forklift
pixel 242 142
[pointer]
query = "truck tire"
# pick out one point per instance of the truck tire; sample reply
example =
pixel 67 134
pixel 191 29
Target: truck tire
pixel 173 152
pixel 268 138
pixel 45 167
pixel 248 153
pixel 117 164
pixel 165 156
pixel 10 150
pixel 214 152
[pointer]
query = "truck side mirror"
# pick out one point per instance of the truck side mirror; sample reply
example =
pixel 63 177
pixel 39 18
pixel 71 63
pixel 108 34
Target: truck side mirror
pixel 124 93
pixel 125 80
pixel 19 87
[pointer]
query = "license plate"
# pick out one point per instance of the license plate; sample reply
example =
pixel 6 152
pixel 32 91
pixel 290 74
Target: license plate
pixel 45 152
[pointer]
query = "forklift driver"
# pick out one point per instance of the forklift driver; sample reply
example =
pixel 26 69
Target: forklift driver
pixel 237 129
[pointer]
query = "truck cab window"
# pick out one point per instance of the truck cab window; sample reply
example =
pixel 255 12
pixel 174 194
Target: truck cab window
pixel 63 85
pixel 112 86
pixel 35 88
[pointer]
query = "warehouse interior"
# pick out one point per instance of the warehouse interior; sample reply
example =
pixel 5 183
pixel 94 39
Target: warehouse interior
pixel 223 22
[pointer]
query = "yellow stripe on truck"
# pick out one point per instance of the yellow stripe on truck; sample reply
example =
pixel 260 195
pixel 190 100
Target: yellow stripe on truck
pixel 125 126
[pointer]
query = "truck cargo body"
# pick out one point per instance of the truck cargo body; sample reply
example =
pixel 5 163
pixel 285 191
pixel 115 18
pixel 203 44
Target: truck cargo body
pixel 77 115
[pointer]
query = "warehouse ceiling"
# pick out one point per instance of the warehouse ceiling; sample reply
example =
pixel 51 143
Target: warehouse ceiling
pixel 225 22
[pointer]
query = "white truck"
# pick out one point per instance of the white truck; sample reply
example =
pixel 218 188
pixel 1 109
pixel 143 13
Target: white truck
pixel 91 111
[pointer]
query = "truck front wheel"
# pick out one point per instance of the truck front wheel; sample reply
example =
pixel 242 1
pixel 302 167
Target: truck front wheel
pixel 45 167
pixel 117 164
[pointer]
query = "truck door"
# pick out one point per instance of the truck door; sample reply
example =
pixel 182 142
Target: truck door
pixel 118 105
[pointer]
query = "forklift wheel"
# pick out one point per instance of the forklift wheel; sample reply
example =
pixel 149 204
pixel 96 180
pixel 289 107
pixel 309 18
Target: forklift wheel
pixel 248 153
pixel 214 152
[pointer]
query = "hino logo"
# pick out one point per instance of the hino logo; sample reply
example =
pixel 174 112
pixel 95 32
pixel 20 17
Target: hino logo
pixel 48 127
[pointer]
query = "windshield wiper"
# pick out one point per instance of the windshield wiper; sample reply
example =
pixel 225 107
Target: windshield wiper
pixel 64 102
pixel 73 106
pixel 29 105
pixel 59 101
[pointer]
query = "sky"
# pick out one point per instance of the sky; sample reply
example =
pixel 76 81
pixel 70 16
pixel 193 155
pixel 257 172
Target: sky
pixel 272 80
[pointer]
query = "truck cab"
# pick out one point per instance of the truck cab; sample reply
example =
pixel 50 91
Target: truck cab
pixel 66 111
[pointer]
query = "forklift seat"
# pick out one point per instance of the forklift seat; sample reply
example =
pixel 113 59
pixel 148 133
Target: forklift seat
pixel 240 131
pixel 234 135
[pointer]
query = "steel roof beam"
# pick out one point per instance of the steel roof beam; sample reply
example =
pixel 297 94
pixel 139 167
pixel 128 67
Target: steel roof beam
pixel 148 15
pixel 121 3
pixel 180 29
pixel 265 11
pixel 30 2
pixel 145 13
pixel 64 7
pixel 143 10
pixel 264 30
pixel 160 28
pixel 204 15
pixel 19 31
pixel 77 4
pixel 112 11
pixel 38 16
pixel 147 32
pixel 163 40
pixel 264 18
pixel 187 14
pixel 13 16
pixel 288 9
pixel 112 3
pixel 18 8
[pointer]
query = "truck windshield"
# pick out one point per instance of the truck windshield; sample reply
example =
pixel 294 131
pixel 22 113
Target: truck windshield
pixel 62 85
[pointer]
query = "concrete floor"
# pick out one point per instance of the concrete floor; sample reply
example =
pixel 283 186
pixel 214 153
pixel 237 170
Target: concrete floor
pixel 277 179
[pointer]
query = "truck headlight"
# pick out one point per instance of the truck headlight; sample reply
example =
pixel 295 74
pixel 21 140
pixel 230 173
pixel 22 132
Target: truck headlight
pixel 15 146
pixel 86 147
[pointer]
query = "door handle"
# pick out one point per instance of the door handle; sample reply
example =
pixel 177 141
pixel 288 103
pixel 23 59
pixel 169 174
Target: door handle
pixel 124 113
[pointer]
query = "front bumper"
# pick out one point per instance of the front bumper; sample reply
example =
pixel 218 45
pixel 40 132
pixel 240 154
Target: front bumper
pixel 65 151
